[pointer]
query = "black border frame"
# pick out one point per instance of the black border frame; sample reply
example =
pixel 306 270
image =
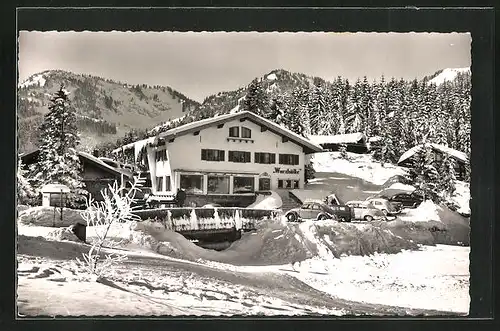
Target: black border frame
pixel 479 22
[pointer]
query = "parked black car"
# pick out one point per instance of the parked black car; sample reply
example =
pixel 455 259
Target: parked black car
pixel 320 211
pixel 408 200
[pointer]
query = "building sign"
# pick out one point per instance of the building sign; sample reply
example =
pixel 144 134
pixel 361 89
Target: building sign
pixel 278 170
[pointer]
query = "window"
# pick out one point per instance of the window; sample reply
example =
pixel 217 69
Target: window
pixel 212 155
pixel 264 184
pixel 167 184
pixel 159 183
pixel 265 158
pixel 288 183
pixel 246 132
pixel 289 159
pixel 238 156
pixel 218 184
pixel 192 183
pixel 161 155
pixel 243 185
pixel 234 131
pixel 315 206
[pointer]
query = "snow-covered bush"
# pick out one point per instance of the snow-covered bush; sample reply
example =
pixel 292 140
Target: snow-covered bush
pixel 116 207
pixel 25 192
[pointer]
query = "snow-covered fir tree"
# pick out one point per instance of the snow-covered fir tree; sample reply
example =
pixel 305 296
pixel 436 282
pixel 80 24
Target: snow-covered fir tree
pixel 59 161
pixel 447 178
pixel 255 100
pixel 317 109
pixel 424 175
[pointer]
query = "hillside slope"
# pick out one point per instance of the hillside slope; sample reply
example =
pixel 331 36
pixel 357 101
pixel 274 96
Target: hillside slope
pixel 106 109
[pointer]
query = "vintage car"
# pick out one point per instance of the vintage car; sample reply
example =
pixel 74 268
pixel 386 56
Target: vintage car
pixel 407 200
pixel 365 211
pixel 318 210
pixel 385 206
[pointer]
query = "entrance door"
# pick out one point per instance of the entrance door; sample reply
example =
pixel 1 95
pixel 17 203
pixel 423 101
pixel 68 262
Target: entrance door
pixel 264 184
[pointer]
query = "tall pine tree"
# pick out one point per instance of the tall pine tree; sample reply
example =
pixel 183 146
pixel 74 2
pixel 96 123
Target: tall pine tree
pixel 256 99
pixel 59 161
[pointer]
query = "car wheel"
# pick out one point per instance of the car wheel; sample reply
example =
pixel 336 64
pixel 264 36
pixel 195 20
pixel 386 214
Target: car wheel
pixel 322 217
pixel 342 219
pixel 368 218
pixel 291 217
pixel 385 212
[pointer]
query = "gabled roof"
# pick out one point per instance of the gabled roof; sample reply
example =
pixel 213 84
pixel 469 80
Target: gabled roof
pixel 444 149
pixel 30 156
pixel 337 139
pixel 309 147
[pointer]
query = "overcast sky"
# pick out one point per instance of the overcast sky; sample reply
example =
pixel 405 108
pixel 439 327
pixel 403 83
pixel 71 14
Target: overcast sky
pixel 201 64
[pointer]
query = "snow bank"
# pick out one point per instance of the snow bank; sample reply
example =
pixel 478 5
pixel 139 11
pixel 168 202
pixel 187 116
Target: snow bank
pixel 445 226
pixel 462 197
pixel 436 278
pixel 426 211
pixel 358 165
pixel 47 216
pixel 276 242
pixel 272 201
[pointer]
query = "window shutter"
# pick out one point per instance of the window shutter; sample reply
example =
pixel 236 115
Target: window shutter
pixel 273 158
pixel 203 154
pixel 296 161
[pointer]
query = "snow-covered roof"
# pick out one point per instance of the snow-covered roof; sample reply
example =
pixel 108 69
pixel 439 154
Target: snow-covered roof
pixel 55 188
pixel 137 145
pixel 447 74
pixel 375 139
pixel 273 127
pixel 337 139
pixel 104 165
pixel 34 154
pixel 444 149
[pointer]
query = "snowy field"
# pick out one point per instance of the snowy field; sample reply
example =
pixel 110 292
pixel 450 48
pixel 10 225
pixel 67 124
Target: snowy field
pixel 434 277
pixel 359 165
pixel 431 280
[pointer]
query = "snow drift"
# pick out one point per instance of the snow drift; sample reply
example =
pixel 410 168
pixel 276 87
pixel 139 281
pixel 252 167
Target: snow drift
pixel 272 201
pixel 278 242
pixel 50 216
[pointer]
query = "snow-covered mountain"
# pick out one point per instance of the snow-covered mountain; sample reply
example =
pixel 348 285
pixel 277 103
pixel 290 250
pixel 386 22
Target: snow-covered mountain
pixel 447 75
pixel 105 109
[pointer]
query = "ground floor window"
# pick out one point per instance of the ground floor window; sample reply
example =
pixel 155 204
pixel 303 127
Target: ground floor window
pixel 243 185
pixel 168 186
pixel 264 184
pixel 192 183
pixel 218 184
pixel 288 183
pixel 162 183
pixel 159 183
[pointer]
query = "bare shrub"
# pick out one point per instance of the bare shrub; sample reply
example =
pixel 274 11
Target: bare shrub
pixel 116 207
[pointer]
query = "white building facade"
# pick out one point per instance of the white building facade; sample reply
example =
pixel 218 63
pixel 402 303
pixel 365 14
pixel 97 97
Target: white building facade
pixel 233 154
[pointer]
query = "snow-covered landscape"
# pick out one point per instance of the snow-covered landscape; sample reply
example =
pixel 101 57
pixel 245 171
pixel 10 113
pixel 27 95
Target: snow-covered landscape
pixel 273 192
pixel 331 276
